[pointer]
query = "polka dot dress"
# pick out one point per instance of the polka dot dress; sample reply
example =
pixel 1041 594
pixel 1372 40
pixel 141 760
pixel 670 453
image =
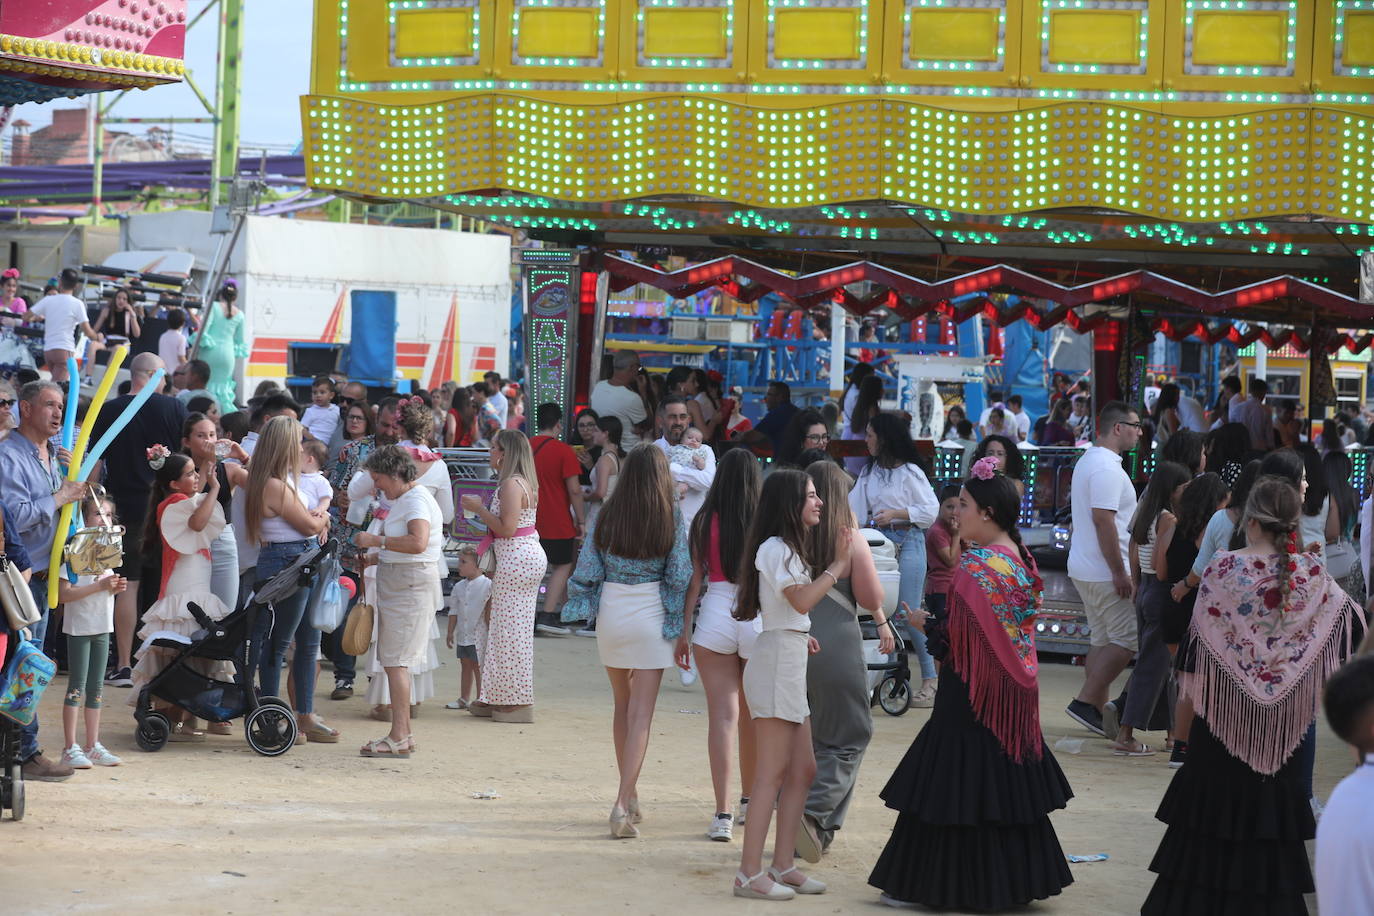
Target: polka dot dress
pixel 508 664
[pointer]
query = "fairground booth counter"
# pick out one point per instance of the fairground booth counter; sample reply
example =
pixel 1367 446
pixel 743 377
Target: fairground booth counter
pixel 1176 178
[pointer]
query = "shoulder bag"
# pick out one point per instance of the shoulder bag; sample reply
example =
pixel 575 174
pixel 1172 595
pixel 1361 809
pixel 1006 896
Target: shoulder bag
pixel 357 635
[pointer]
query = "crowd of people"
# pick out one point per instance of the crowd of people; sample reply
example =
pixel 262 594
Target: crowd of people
pixel 657 531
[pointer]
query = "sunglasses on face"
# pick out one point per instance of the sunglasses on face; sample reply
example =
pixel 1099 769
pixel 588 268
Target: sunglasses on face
pixel 6 404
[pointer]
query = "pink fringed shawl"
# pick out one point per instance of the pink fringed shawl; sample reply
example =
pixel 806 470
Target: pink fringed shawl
pixel 1261 665
pixel 992 603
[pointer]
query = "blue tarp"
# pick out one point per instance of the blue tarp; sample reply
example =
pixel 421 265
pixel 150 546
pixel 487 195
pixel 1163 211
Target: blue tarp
pixel 1023 363
pixel 372 354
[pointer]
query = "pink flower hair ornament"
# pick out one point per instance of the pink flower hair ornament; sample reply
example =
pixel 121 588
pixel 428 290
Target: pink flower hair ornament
pixel 984 468
pixel 157 456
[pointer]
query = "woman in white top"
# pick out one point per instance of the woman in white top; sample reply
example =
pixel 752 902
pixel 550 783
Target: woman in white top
pixel 1317 524
pixel 607 436
pixel 408 590
pixel 282 527
pixel 777 587
pixel 894 495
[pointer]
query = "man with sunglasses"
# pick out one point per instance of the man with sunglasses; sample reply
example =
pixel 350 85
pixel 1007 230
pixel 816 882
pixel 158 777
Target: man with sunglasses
pixel 1103 501
pixel 351 393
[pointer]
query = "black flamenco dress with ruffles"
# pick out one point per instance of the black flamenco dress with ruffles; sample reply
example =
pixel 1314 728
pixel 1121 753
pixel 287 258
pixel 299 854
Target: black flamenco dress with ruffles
pixel 973 829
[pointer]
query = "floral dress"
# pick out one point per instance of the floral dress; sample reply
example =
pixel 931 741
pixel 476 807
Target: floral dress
pixel 508 666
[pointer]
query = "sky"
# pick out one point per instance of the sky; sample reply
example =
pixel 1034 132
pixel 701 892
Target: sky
pixel 275 68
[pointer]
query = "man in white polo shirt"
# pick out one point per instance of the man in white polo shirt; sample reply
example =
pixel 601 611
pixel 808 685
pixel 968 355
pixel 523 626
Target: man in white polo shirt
pixel 1103 502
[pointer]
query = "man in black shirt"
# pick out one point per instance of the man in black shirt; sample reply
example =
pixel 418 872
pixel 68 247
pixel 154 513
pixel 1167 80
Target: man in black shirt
pixel 129 480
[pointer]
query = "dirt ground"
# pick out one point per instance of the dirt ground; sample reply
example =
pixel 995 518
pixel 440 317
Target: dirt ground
pixel 213 828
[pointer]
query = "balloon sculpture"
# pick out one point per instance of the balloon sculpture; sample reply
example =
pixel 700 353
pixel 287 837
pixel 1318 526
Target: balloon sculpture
pixel 82 464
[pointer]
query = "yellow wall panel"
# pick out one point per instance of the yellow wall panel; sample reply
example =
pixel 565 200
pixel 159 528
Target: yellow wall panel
pixel 557 33
pixel 434 33
pixel 1359 39
pixel 955 34
pixel 685 32
pixel 1229 39
pixel 821 34
pixel 1092 37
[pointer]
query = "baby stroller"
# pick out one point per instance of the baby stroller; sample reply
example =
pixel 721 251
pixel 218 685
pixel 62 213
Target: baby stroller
pixel 893 691
pixel 269 724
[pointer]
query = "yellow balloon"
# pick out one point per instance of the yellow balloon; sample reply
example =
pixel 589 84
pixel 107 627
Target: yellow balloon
pixel 64 518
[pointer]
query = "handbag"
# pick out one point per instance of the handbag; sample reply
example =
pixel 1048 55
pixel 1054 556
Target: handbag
pixel 23 681
pixel 98 549
pixel 486 560
pixel 1341 558
pixel 357 635
pixel 20 609
pixel 327 604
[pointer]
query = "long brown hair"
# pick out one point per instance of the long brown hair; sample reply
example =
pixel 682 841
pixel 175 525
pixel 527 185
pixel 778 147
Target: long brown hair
pixel 277 455
pixel 1275 505
pixel 733 495
pixel 832 486
pixel 639 519
pixel 779 515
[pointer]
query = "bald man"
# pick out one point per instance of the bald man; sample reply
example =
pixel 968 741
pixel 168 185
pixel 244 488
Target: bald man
pixel 129 480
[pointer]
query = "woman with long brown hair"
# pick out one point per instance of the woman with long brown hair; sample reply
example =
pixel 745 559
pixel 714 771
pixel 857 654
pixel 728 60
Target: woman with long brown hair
pixel 507 693
pixel 837 676
pixel 634 570
pixel 720 643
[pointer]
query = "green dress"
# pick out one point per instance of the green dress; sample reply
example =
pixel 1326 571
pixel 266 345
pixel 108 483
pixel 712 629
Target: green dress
pixel 222 342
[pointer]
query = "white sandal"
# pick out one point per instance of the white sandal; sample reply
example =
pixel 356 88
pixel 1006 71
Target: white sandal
pixel 744 888
pixel 809 886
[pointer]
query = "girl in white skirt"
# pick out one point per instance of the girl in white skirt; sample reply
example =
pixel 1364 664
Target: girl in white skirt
pixel 722 644
pixel 778 588
pixel 633 573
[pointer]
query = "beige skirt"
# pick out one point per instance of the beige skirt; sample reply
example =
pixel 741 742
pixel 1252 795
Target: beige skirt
pixel 408 595
pixel 775 676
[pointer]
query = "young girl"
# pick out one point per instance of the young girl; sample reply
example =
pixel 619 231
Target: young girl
pixel 1153 515
pixel 944 547
pixel 605 439
pixel 778 587
pixel 88 621
pixel 184 522
pixel 974 792
pixel 467 604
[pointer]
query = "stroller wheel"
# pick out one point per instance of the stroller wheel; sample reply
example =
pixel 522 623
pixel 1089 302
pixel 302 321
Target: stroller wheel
pixel 15 793
pixel 893 695
pixel 153 731
pixel 270 729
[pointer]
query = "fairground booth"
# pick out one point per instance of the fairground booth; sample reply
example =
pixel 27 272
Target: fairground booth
pixel 976 192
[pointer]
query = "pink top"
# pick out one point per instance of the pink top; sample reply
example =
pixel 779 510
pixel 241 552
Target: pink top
pixel 714 571
pixel 938 575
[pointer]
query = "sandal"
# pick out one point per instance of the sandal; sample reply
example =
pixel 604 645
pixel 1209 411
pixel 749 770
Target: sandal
pixel 809 885
pixel 384 747
pixel 183 732
pixel 319 732
pixel 744 887
pixel 380 713
pixel 1136 749
pixel 410 743
pixel 219 728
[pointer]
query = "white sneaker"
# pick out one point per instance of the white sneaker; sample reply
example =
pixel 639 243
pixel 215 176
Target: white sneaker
pixel 97 755
pixel 689 676
pixel 459 703
pixel 722 827
pixel 74 758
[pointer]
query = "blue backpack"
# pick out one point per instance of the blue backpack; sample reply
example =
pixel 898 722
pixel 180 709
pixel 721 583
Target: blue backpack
pixel 23 681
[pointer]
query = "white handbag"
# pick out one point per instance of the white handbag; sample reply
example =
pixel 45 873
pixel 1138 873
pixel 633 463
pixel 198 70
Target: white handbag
pixel 20 608
pixel 1341 558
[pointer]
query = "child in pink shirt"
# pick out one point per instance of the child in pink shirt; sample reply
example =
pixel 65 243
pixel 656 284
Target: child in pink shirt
pixel 943 549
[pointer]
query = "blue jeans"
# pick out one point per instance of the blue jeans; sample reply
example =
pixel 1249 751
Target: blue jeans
pixel 911 562
pixel 28 738
pixel 273 632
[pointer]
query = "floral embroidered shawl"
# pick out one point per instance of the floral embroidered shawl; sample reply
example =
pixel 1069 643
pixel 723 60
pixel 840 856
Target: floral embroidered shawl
pixel 993 600
pixel 1261 665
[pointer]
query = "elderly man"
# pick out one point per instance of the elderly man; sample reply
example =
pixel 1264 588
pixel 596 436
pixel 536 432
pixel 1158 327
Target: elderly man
pixel 33 489
pixel 622 396
pixel 129 479
pixel 674 420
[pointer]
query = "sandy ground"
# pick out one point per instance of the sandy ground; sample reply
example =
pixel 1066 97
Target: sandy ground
pixel 213 828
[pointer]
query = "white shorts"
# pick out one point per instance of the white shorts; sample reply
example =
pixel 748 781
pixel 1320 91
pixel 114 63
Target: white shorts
pixel 717 630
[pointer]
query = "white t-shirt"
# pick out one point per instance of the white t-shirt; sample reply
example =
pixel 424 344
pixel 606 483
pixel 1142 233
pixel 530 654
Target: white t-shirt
pixel 61 314
pixel 1099 482
pixel 417 502
pixel 92 615
pixel 1345 845
pixel 315 488
pixel 625 403
pixel 1023 425
pixel 321 421
pixel 780 568
pixel 465 602
pixel 501 406
pixel 171 346
pixel 1191 415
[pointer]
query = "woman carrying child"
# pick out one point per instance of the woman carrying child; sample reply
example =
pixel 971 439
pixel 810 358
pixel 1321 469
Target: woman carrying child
pixel 88 621
pixel 974 791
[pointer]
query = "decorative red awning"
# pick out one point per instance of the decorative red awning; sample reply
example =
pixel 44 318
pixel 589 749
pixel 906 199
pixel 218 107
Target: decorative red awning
pixel 911 296
pixel 1298 340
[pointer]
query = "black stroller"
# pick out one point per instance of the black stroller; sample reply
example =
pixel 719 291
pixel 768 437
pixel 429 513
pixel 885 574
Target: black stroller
pixel 893 692
pixel 269 724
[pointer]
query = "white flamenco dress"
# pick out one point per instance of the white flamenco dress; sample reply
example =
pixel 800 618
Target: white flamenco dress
pixel 436 480
pixel 185 578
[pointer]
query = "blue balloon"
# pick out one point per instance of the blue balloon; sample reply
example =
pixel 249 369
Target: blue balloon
pixel 73 395
pixel 122 421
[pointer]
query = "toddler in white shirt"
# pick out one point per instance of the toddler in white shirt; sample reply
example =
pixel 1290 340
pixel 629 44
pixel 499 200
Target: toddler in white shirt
pixel 322 416
pixel 317 491
pixel 466 628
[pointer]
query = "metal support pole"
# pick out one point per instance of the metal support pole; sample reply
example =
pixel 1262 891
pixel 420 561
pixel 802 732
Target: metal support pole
pixel 837 332
pixel 224 164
